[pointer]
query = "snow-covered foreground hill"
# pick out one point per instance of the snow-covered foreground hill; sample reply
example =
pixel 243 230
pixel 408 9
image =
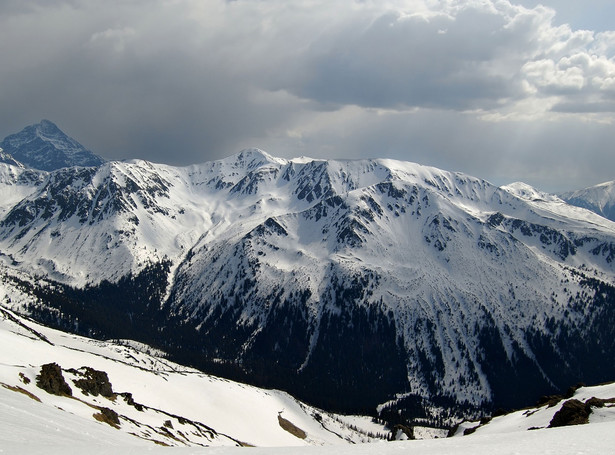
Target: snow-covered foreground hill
pixel 149 400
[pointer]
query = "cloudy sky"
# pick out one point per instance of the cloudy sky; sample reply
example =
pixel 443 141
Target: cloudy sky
pixel 503 90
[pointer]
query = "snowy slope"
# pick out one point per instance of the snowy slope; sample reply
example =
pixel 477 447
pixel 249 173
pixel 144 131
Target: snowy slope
pixel 349 283
pixel 28 428
pixel 395 245
pixel 599 199
pixel 156 401
pixel 600 399
pixel 34 428
pixel 6 158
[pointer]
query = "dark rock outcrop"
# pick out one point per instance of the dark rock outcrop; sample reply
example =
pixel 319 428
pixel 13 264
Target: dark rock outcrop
pixel 52 381
pixel 94 383
pixel 572 412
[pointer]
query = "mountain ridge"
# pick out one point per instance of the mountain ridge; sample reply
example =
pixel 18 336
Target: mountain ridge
pixel 7 158
pixel 437 290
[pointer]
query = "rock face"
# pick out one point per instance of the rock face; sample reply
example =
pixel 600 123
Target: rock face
pixel 6 158
pixel 44 146
pixel 350 284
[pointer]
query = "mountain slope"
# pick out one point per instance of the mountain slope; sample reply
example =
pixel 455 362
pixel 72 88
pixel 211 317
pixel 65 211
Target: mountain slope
pixel 412 276
pixel 44 146
pixel 350 284
pixel 599 199
pixel 147 398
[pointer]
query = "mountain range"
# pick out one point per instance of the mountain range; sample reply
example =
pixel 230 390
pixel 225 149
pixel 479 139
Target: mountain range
pixel 357 286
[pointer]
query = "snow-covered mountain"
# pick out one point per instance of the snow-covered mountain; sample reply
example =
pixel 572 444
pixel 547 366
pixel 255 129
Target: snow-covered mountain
pixel 44 146
pixel 350 284
pixel 599 199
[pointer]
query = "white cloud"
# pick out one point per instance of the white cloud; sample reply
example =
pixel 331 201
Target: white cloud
pixel 114 38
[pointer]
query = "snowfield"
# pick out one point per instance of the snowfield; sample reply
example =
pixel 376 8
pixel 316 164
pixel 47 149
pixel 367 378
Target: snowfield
pixel 30 428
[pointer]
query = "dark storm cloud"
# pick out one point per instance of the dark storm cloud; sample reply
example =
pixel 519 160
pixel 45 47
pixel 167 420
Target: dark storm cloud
pixel 477 86
pixel 467 55
pixel 152 86
pixel 553 156
pixel 399 61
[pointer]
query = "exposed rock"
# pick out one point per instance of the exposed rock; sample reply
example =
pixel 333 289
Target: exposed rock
pixel 452 430
pixel 572 389
pixel 468 431
pixel 572 412
pixel 51 380
pixel 131 402
pixel 291 428
pixel 94 383
pixel 550 400
pixel 22 391
pixel 408 431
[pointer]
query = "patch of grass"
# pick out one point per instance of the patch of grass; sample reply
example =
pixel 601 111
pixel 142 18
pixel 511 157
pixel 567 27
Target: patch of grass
pixel 108 416
pixel 23 391
pixel 291 428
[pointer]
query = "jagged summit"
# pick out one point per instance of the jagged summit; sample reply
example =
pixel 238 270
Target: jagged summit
pixel 528 192
pixel 252 158
pixel 44 146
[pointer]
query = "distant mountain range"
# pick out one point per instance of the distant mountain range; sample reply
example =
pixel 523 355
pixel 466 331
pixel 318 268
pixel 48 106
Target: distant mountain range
pixel 351 284
pixel 599 199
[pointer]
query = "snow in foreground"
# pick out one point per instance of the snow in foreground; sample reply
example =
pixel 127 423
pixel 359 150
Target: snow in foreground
pixel 25 430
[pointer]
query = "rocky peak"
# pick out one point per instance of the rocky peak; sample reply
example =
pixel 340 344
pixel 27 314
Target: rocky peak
pixel 44 146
